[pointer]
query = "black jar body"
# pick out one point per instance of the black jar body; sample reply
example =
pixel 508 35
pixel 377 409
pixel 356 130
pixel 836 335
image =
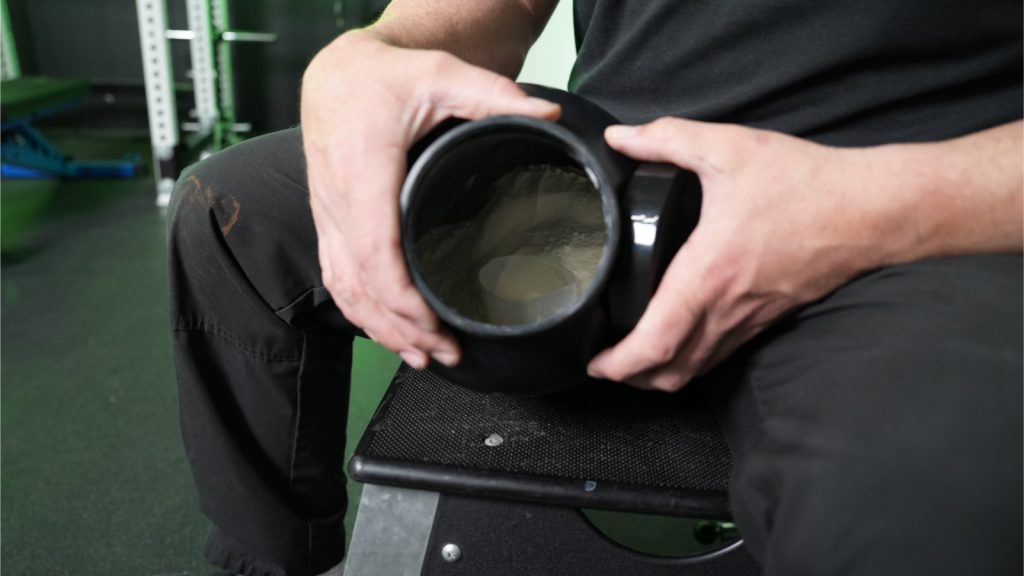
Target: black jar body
pixel 443 187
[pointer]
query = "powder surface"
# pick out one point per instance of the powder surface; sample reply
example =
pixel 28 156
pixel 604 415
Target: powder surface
pixel 551 212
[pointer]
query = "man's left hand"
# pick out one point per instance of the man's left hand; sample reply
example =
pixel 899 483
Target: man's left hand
pixel 783 222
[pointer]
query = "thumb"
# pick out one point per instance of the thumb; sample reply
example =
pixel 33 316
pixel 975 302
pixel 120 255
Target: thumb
pixel 686 143
pixel 475 93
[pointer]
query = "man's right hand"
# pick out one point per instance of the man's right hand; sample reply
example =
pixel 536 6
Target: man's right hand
pixel 364 103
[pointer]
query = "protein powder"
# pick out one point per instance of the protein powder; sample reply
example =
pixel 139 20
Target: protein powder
pixel 550 216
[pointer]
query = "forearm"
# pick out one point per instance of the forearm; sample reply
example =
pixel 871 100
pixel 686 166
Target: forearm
pixel 958 196
pixel 493 34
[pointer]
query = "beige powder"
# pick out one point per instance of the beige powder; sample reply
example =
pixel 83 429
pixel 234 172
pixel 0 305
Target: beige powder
pixel 544 211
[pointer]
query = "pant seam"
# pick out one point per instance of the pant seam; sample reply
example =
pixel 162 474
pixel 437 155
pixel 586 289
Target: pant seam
pixel 298 414
pixel 207 326
pixel 309 539
pixel 295 438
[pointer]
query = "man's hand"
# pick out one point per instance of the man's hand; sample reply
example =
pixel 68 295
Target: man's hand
pixel 364 103
pixel 785 221
pixel 770 238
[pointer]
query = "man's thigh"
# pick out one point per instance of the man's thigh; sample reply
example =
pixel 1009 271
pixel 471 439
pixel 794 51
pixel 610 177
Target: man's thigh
pixel 879 430
pixel 262 358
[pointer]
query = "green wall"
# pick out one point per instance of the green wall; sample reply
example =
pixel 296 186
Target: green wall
pixel 552 56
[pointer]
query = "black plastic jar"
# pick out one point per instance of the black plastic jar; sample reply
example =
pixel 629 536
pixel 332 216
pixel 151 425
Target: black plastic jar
pixel 647 211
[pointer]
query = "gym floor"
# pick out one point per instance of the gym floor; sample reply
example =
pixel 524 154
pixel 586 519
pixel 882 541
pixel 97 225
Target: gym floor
pixel 95 479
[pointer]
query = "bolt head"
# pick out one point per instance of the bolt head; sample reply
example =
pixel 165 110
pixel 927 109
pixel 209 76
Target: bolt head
pixel 451 553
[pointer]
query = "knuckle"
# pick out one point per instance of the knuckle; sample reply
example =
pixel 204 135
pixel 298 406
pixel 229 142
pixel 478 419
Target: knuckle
pixel 363 253
pixel 397 287
pixel 422 341
pixel 757 137
pixel 739 143
pixel 501 84
pixel 410 334
pixel 372 251
pixel 700 357
pixel 388 338
pixel 660 352
pixel 718 280
pixel 349 293
pixel 436 62
pixel 661 128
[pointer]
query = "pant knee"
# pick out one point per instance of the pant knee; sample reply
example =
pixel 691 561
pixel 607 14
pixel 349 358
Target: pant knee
pixel 889 427
pixel 240 228
pixel 903 512
pixel 200 205
pixel 266 174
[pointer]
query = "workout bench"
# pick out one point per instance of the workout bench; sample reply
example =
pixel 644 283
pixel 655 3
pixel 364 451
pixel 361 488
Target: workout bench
pixel 462 482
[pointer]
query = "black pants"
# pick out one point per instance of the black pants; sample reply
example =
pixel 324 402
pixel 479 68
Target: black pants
pixel 877 431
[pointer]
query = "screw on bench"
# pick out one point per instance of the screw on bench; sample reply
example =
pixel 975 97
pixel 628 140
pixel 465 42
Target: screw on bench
pixel 494 440
pixel 451 553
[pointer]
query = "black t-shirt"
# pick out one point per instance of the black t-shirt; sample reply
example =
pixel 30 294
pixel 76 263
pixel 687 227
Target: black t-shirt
pixel 844 72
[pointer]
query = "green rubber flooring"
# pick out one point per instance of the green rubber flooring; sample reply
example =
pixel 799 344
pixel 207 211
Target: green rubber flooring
pixel 94 478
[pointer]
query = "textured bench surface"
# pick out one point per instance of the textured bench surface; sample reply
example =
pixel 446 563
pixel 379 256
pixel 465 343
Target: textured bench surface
pixel 599 445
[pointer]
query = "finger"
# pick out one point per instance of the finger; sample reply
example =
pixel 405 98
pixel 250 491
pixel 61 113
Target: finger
pixel 398 304
pixel 401 336
pixel 353 202
pixel 393 330
pixel 440 344
pixel 398 332
pixel 475 93
pixel 686 143
pixel 375 291
pixel 371 319
pixel 375 322
pixel 359 307
pixel 733 340
pixel 372 234
pixel 661 335
pixel 725 349
pixel 673 317
pixel 676 374
pixel 710 346
pixel 386 280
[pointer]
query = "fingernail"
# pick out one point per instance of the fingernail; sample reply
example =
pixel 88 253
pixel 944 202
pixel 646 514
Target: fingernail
pixel 594 372
pixel 620 132
pixel 445 357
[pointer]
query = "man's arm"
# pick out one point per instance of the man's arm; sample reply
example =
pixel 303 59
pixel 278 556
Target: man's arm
pixel 492 34
pixel 785 221
pixel 959 196
pixel 366 98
